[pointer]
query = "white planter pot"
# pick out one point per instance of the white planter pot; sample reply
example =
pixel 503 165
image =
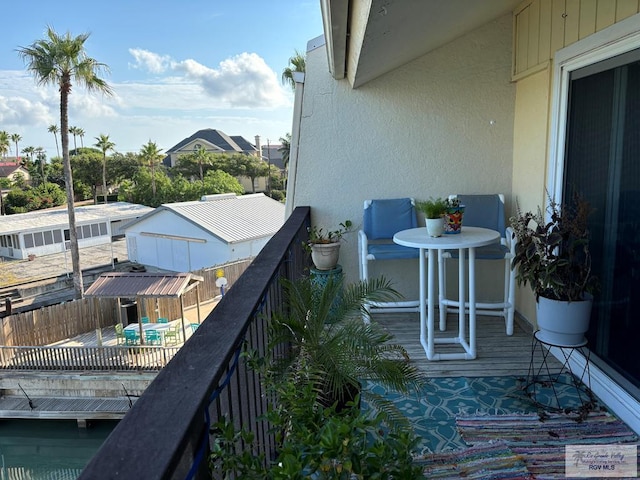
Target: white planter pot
pixel 325 255
pixel 563 323
pixel 435 226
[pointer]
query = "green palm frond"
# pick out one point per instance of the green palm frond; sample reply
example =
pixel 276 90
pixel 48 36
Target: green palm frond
pixel 325 329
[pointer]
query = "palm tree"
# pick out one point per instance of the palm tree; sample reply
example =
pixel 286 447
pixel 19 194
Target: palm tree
pixel 4 143
pixel 42 159
pixel 298 62
pixel 74 131
pixel 202 157
pixel 53 128
pixel 151 154
pixel 15 138
pixel 104 144
pixel 80 133
pixel 59 60
pixel 29 151
pixel 285 149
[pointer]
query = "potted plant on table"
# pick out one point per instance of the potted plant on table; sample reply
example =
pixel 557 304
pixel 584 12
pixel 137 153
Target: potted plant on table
pixel 552 256
pixel 453 214
pixel 433 210
pixel 324 245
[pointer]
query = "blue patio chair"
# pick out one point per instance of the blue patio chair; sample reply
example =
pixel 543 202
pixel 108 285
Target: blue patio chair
pixel 486 211
pixel 382 219
pixel 194 327
pixel 152 337
pixel 144 319
pixel 131 337
pixel 163 320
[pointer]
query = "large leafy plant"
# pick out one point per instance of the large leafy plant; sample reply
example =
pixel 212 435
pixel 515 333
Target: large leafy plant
pixel 552 254
pixel 333 342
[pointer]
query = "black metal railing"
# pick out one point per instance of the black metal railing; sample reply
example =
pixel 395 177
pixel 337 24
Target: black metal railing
pixel 165 435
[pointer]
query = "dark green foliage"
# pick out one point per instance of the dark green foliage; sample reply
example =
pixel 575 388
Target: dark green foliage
pixel 553 256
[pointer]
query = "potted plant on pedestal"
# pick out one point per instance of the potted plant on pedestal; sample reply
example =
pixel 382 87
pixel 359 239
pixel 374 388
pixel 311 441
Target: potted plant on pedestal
pixel 552 256
pixel 325 245
pixel 433 210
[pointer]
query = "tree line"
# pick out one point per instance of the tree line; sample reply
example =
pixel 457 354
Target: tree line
pixel 134 177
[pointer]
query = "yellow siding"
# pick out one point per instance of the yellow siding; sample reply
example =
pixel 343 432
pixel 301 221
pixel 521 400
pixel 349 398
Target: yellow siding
pixel 522 41
pixel 534 35
pixel 587 17
pixel 626 8
pixel 572 22
pixel 545 31
pixel 541 27
pixel 606 14
pixel 557 25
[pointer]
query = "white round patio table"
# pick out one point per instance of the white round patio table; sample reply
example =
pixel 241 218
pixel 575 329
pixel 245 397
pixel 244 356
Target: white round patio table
pixel 468 239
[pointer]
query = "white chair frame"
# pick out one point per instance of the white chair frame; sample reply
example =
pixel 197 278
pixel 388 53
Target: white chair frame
pixel 365 258
pixel 505 308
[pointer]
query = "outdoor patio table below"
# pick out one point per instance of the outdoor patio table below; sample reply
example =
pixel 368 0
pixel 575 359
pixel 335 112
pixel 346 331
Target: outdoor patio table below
pixel 468 239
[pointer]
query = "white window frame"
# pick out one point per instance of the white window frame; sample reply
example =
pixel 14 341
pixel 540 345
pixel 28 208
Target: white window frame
pixel 619 38
pixel 615 40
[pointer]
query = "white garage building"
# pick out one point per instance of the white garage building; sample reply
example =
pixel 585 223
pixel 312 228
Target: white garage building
pixel 218 229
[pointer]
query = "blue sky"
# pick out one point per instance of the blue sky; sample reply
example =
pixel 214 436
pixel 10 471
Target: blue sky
pixel 176 66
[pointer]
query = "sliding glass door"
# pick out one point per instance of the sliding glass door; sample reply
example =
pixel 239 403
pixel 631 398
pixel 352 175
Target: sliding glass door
pixel 602 162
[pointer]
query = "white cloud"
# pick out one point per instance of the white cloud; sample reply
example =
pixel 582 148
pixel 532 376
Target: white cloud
pixel 20 111
pixel 244 80
pixel 146 60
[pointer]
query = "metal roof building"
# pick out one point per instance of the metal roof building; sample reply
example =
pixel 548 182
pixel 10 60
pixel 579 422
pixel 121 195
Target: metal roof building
pixel 45 232
pixel 218 229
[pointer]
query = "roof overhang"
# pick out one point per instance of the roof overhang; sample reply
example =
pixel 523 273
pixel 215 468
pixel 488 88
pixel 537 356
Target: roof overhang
pixel 151 285
pixel 367 38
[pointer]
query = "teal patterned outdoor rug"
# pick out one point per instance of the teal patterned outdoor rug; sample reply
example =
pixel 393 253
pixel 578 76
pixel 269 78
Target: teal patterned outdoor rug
pixel 540 440
pixel 433 411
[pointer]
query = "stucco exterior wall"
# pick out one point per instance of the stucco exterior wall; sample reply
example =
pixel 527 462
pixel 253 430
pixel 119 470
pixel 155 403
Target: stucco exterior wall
pixel 441 124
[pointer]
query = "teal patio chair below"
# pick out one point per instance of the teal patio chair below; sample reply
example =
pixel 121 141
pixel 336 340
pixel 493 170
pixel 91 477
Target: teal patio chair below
pixel 163 320
pixel 152 337
pixel 144 319
pixel 131 337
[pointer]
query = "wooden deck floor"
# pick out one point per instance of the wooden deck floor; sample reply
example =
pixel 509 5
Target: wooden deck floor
pixel 497 353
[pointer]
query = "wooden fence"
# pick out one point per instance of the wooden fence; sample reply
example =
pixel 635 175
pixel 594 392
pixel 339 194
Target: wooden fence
pixel 120 358
pixel 55 323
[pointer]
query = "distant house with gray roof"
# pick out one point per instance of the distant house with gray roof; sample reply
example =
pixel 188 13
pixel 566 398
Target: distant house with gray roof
pixel 217 229
pixel 216 141
pixel 11 169
pixel 211 140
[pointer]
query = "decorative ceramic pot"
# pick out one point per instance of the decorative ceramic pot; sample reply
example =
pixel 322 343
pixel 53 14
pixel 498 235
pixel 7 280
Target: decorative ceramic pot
pixel 453 219
pixel 325 255
pixel 563 323
pixel 435 226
